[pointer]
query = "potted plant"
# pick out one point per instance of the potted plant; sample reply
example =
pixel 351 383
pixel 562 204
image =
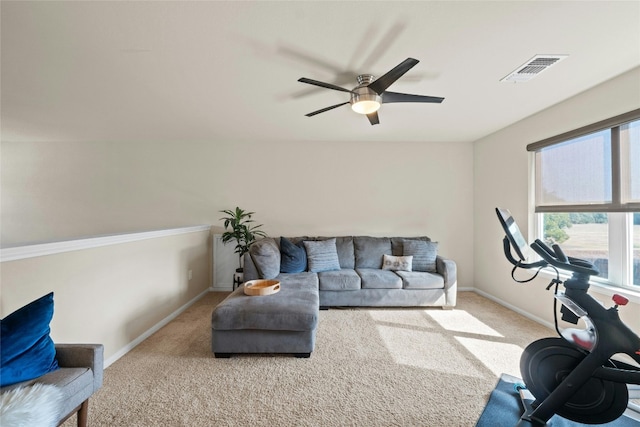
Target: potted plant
pixel 239 228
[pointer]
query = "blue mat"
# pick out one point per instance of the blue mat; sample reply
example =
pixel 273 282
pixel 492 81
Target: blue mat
pixel 504 409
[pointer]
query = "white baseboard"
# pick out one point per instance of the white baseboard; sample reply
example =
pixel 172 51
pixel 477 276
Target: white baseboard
pixel 516 309
pixel 127 348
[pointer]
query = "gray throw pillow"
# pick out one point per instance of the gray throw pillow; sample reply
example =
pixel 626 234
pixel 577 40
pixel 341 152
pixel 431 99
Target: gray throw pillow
pixel 424 254
pixel 266 256
pixel 322 255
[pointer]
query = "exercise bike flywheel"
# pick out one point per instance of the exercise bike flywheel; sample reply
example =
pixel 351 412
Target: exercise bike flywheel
pixel 546 362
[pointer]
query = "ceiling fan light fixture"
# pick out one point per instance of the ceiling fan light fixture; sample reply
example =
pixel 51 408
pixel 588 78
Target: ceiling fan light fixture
pixel 365 106
pixel 365 101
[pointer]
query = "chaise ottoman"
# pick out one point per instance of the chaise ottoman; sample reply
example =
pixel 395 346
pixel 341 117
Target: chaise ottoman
pixel 284 322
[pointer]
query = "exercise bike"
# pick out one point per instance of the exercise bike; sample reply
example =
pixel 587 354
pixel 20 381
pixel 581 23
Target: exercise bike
pixel 573 375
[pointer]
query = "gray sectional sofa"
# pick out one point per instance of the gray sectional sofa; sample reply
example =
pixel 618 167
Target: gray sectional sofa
pixel 359 277
pixel 318 272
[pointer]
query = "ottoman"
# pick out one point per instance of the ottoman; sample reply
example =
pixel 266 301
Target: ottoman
pixel 284 322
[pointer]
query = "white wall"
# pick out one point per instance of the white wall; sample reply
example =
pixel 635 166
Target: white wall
pixel 57 191
pixel 502 178
pixel 113 294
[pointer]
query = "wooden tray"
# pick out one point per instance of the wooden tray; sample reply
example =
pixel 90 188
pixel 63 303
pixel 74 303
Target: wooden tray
pixel 261 287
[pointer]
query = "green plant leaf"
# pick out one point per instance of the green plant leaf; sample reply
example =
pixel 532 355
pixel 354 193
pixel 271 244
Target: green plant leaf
pixel 239 227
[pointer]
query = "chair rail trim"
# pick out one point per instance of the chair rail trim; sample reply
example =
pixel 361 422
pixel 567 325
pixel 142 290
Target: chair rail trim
pixel 52 248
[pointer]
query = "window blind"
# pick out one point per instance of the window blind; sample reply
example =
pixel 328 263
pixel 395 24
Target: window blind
pixel 592 169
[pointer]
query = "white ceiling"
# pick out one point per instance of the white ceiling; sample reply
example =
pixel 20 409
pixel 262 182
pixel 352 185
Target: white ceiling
pixel 227 71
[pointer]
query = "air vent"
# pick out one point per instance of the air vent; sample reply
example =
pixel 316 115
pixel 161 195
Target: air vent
pixel 532 68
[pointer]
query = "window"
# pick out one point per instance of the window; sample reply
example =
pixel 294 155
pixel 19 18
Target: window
pixel 587 196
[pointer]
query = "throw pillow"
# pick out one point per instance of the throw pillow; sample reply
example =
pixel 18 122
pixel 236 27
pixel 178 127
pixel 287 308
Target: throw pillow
pixel 322 255
pixel 27 350
pixel 397 263
pixel 38 405
pixel 293 257
pixel 424 254
pixel 266 256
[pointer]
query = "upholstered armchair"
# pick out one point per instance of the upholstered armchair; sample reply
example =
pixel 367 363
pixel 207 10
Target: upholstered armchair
pixel 79 376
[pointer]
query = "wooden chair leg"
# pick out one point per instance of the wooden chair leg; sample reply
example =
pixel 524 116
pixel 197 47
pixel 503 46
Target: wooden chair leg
pixel 83 413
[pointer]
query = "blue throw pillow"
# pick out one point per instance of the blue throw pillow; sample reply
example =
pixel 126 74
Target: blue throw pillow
pixel 293 257
pixel 27 350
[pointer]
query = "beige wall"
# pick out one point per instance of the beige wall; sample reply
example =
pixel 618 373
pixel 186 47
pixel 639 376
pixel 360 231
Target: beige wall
pixel 112 294
pixel 65 190
pixel 502 178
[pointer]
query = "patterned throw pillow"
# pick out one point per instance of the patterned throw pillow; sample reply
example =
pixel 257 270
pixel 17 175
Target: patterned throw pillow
pixel 397 263
pixel 424 254
pixel 322 255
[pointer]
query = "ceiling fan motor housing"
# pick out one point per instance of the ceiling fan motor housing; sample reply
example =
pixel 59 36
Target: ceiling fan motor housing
pixel 363 99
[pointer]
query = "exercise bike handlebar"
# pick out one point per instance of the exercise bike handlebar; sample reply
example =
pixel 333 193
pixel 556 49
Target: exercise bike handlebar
pixel 559 259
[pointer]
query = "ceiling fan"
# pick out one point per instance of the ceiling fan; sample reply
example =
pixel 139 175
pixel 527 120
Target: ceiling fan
pixel 371 93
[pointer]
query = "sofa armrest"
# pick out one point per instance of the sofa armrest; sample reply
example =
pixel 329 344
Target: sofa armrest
pixel 449 270
pixel 83 356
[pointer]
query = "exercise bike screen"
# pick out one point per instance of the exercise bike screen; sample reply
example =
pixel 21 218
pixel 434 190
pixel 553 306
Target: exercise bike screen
pixel 513 232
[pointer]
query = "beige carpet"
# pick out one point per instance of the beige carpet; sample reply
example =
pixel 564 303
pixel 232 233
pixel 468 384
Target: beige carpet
pixel 371 367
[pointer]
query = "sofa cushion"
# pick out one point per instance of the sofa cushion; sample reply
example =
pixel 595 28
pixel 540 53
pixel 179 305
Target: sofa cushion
pixel 424 254
pixel 305 279
pixel 421 280
pixel 395 263
pixel 294 308
pixel 369 251
pixel 396 243
pixel 375 278
pixel 27 351
pixel 266 257
pixel 341 280
pixel 293 257
pixel 346 255
pixel 322 255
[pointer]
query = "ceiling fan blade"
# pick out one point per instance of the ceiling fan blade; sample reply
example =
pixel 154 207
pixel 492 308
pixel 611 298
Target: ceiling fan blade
pixel 388 97
pixel 373 118
pixel 322 84
pixel 326 109
pixel 381 84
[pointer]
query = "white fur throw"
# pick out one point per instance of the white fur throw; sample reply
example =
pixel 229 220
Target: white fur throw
pixel 37 405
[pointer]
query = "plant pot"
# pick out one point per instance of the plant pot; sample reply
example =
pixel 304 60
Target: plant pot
pixel 238 277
